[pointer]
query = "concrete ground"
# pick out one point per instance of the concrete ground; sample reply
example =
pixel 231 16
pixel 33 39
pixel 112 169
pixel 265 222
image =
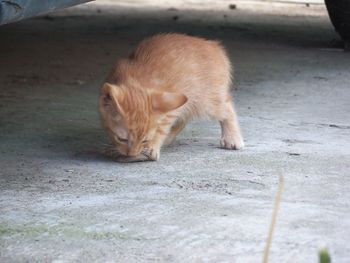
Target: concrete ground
pixel 63 200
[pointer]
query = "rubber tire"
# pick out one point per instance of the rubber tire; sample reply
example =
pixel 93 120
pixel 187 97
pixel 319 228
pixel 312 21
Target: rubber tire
pixel 339 13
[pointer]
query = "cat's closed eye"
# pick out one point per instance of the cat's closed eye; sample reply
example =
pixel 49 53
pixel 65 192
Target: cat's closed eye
pixel 121 139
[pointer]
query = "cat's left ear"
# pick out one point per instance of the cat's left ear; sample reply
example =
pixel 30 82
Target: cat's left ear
pixel 105 94
pixel 163 102
pixel 110 95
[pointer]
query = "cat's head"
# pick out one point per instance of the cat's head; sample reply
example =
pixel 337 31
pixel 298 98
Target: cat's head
pixel 131 116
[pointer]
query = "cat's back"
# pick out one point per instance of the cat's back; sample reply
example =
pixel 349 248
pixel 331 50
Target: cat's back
pixel 163 43
pixel 176 48
pixel 180 60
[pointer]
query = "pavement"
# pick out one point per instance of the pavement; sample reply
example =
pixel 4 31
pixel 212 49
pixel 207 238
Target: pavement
pixel 62 199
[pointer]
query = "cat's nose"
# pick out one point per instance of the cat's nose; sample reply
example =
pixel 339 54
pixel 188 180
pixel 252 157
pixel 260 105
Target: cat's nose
pixel 131 152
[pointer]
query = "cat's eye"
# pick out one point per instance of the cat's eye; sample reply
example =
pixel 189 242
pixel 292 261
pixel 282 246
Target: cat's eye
pixel 121 139
pixel 145 141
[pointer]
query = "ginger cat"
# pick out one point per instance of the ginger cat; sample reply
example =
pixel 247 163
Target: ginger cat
pixel 169 79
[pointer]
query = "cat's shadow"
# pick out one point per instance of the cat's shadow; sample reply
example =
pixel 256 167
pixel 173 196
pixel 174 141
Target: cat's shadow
pixel 88 144
pixel 80 143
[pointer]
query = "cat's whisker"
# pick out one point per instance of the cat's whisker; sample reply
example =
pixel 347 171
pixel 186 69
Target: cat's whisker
pixel 146 152
pixel 111 151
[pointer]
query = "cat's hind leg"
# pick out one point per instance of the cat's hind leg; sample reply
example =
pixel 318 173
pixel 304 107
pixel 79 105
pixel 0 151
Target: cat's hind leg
pixel 231 137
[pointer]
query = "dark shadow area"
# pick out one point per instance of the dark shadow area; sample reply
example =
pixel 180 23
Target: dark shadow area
pixel 236 25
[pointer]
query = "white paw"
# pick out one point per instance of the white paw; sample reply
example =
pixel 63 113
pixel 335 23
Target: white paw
pixel 232 143
pixel 152 154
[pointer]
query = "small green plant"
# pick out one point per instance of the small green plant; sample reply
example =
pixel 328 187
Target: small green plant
pixel 324 256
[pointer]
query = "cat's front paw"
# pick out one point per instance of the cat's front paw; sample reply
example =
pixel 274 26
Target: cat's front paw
pixel 152 154
pixel 232 143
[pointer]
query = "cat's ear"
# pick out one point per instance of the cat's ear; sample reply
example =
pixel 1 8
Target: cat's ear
pixel 163 102
pixel 110 95
pixel 105 94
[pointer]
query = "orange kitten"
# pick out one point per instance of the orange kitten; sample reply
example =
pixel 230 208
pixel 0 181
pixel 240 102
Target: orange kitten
pixel 169 79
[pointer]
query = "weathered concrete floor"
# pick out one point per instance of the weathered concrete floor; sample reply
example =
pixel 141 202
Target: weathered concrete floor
pixel 62 200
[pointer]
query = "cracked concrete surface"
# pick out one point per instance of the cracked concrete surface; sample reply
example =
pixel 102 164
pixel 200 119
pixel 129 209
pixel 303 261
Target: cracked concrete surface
pixel 63 200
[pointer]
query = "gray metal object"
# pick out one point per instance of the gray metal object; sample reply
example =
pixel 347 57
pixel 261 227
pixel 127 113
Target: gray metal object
pixel 15 10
